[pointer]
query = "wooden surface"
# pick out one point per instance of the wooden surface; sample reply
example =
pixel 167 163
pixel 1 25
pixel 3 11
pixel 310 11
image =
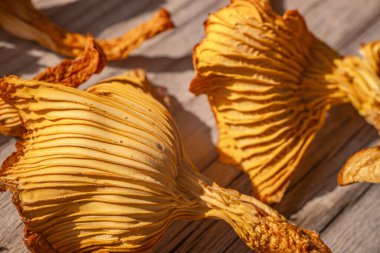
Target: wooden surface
pixel 348 218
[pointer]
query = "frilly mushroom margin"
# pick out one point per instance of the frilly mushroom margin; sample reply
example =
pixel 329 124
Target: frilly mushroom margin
pixel 69 72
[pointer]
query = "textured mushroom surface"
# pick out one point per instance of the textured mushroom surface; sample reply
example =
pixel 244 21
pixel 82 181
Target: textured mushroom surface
pixel 364 166
pixel 262 74
pixel 68 72
pixel 270 83
pixel 22 19
pixel 359 78
pixel 104 170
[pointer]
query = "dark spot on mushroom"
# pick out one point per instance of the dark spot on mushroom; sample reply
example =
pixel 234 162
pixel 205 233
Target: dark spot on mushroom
pixel 160 147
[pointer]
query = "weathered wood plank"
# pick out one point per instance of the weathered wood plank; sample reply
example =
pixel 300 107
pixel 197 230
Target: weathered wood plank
pixel 344 24
pixel 356 229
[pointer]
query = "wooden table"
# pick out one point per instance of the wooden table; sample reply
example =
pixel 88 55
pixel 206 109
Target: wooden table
pixel 348 218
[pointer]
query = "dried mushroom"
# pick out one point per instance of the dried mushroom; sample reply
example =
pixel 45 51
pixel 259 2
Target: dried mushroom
pixel 22 19
pixel 68 72
pixel 360 79
pixel 104 170
pixel 364 166
pixel 270 83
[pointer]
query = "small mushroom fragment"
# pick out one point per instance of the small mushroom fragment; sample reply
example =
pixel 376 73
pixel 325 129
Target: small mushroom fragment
pixel 270 83
pixel 364 166
pixel 75 72
pixel 22 19
pixel 104 170
pixel 68 72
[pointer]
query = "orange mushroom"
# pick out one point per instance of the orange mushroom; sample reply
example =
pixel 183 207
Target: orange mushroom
pixel 22 19
pixel 270 83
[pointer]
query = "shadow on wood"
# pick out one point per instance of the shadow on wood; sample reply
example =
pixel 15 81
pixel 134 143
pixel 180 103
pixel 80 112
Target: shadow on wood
pixel 344 133
pixel 278 6
pixel 195 134
pixel 3 249
pixel 74 16
pixel 154 64
pixel 17 55
pixel 4 139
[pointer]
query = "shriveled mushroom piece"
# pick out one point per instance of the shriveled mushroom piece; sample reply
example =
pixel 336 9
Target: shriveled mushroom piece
pixel 68 72
pixel 270 83
pixel 104 170
pixel 364 166
pixel 23 20
pixel 75 72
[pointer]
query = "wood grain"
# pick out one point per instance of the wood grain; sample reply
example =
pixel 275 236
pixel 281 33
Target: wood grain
pixel 348 218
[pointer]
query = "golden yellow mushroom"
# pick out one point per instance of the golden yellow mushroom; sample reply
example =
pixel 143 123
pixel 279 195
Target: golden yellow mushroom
pixel 359 78
pixel 104 170
pixel 361 81
pixel 22 19
pixel 364 166
pixel 69 72
pixel 270 83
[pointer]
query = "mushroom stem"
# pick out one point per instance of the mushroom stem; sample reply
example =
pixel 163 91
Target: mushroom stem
pixel 262 228
pixel 258 225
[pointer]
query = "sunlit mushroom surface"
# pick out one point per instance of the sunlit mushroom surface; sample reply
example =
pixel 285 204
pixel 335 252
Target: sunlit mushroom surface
pixel 364 166
pixel 270 83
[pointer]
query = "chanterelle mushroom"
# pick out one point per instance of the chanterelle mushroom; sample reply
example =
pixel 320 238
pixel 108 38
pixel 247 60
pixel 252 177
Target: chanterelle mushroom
pixel 270 83
pixel 69 72
pixel 23 20
pixel 104 170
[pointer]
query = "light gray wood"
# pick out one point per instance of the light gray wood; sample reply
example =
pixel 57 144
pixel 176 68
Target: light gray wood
pixel 347 217
pixel 356 229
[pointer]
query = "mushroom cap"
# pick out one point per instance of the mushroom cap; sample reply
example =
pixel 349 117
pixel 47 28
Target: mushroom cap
pixel 96 170
pixel 268 83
